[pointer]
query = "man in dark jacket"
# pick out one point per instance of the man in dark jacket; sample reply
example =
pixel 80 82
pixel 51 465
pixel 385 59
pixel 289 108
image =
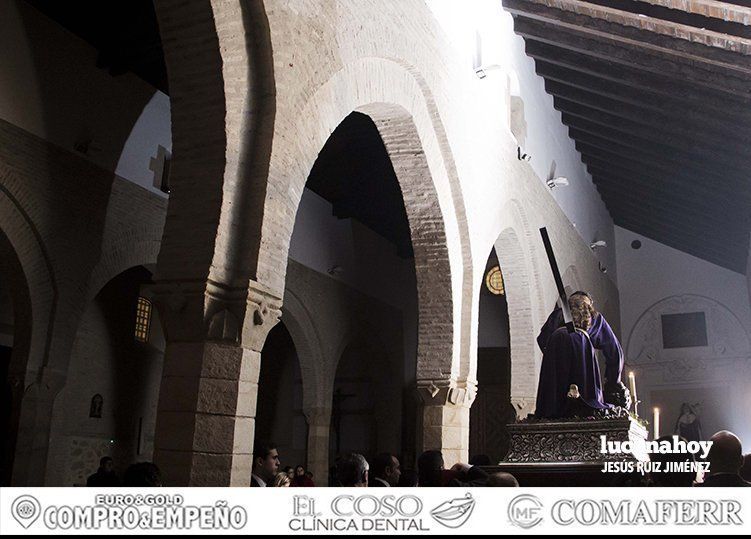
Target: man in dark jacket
pixel 105 476
pixel 725 461
pixel 384 471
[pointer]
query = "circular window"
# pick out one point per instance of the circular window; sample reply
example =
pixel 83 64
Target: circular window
pixel 636 244
pixel 494 281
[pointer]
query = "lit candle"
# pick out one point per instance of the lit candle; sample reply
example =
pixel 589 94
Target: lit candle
pixel 632 387
pixel 656 422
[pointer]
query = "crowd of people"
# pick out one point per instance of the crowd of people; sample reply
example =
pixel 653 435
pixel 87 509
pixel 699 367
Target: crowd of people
pixel 383 470
pixel 728 467
pixel 140 474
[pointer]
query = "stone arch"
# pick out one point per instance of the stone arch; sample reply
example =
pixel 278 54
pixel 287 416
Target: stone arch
pixel 644 339
pixel 36 300
pixel 375 388
pixel 517 281
pixel 24 244
pixel 302 329
pixel 118 256
pixel 222 111
pixel 391 97
pixel 715 375
pixel 105 358
pixel 310 353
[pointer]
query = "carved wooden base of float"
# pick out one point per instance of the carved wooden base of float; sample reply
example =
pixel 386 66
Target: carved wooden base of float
pixel 568 453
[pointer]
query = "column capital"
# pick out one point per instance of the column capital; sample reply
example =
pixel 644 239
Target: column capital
pixel 205 310
pixel 523 405
pixel 447 392
pixel 264 307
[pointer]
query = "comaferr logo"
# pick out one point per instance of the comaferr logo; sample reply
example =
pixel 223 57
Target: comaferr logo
pixel 525 511
pixel 454 513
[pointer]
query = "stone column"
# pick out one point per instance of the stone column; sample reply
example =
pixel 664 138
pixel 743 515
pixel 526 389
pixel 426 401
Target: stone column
pixel 445 418
pixel 319 423
pixel 34 421
pixel 207 401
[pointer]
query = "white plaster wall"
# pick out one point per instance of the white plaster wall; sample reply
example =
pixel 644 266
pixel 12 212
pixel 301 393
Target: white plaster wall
pixel 716 376
pixel 656 271
pixel 363 259
pixel 511 72
pixel 334 57
pixel 152 129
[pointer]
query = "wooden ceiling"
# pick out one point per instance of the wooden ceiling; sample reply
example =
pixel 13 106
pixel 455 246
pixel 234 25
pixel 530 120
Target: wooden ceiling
pixel 657 96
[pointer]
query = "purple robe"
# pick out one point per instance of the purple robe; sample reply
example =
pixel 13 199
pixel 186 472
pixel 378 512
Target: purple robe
pixel 602 337
pixel 569 358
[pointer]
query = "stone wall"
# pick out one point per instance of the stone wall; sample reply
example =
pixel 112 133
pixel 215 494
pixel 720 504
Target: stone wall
pixel 72 226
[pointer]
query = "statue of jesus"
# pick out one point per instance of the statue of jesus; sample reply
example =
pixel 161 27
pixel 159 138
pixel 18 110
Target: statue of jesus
pixel 569 359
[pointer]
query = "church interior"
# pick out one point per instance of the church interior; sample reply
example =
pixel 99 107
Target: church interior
pixel 318 222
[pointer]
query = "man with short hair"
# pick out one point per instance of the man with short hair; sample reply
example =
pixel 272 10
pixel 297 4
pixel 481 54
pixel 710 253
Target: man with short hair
pixel 502 479
pixel 265 463
pixel 725 461
pixel 105 476
pixel 430 469
pixel 352 470
pixel 385 471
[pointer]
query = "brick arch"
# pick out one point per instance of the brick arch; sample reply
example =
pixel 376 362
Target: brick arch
pixel 302 328
pixel 390 95
pixel 37 283
pixel 223 100
pixel 35 301
pixel 517 280
pixel 118 256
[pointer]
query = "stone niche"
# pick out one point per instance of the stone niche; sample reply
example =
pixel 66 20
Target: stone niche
pixel 712 374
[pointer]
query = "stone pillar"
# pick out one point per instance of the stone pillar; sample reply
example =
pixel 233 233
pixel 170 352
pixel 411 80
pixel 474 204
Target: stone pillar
pixel 207 401
pixel 445 418
pixel 34 421
pixel 319 423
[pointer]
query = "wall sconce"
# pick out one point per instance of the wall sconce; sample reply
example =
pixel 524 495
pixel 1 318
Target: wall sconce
pixel 555 182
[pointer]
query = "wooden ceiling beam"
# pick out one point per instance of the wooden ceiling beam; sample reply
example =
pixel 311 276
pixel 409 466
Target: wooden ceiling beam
pixel 683 72
pixel 713 148
pixel 690 128
pixel 668 166
pixel 582 13
pixel 633 77
pixel 584 131
pixel 702 109
pixel 686 57
pixel 635 171
pixel 713 9
pixel 678 209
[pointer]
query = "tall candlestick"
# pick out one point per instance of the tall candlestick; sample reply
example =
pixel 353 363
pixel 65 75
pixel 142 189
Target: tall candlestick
pixel 632 388
pixel 656 423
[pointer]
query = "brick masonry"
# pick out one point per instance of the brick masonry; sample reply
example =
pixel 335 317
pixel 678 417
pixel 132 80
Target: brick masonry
pixel 256 89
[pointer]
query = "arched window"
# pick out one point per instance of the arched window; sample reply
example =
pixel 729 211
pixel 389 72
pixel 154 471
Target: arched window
pixel 143 319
